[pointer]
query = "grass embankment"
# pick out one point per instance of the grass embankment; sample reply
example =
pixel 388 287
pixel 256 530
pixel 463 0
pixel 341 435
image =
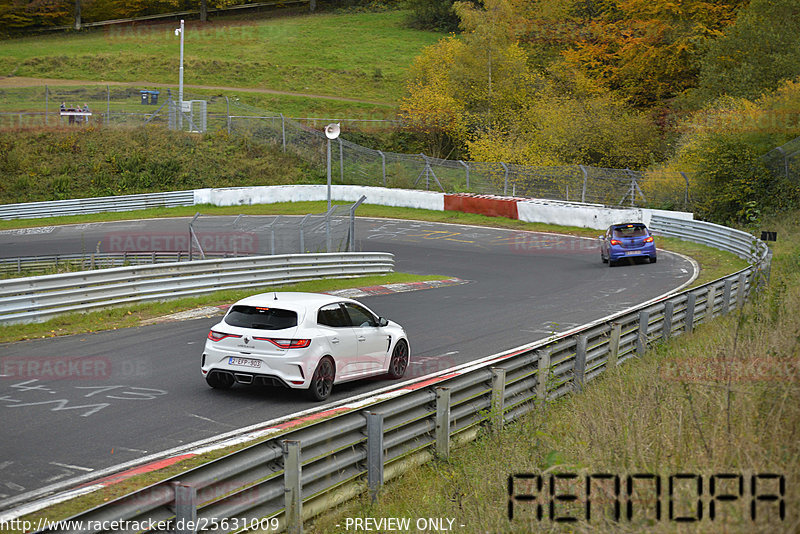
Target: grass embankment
pixel 363 55
pixel 725 399
pixel 69 163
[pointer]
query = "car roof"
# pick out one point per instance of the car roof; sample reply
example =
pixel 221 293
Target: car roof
pixel 623 225
pixel 290 300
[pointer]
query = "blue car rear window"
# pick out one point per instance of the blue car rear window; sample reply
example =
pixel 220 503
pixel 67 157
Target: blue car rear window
pixel 630 231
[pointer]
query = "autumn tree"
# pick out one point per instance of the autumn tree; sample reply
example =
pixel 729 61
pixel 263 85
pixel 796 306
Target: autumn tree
pixel 756 53
pixel 646 49
pixel 479 92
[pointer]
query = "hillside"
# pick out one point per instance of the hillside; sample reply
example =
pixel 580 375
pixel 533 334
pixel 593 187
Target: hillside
pixel 70 163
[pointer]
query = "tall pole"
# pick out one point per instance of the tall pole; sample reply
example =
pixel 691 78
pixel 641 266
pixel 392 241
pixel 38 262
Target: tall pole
pixel 329 174
pixel 180 80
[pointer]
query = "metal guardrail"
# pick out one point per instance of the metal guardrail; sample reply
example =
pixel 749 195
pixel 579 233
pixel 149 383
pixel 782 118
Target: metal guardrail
pixel 300 473
pixel 57 208
pixel 85 262
pixel 36 299
pixel 730 240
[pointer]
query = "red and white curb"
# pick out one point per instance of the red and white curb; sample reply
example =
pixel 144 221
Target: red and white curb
pixel 387 289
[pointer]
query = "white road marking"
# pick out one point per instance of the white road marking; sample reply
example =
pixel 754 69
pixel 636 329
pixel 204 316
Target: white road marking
pixel 58 477
pixel 204 418
pixel 130 450
pixel 76 467
pixel 12 486
pixel 5 464
pixel 423 359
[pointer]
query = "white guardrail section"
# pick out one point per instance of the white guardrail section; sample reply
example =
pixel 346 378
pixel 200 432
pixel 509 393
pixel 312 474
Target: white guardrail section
pixel 296 474
pixel 83 206
pixel 38 298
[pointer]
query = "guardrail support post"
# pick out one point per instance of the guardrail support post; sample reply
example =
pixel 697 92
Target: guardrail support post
pixel 613 345
pixel 498 397
pixel 185 508
pixel 740 289
pixel 383 166
pixel 293 496
pixel 691 299
pixel 726 296
pixel 712 296
pixel 579 369
pixel 283 132
pixel 443 423
pixel 666 328
pixel 641 338
pixel 466 167
pixel 374 453
pixel 585 179
pixel 542 374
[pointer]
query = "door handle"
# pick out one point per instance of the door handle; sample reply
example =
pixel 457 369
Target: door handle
pixel 335 340
pixel 362 338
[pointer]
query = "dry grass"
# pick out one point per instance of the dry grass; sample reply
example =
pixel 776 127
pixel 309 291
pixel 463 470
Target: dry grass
pixel 725 399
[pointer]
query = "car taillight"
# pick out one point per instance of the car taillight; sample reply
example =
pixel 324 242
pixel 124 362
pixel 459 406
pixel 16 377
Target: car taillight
pixel 219 336
pixel 649 239
pixel 287 343
pixel 614 242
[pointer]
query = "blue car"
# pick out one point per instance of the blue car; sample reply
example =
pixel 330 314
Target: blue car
pixel 627 240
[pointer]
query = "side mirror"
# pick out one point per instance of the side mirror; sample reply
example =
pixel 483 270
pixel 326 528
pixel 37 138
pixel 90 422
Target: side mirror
pixel 382 321
pixel 601 237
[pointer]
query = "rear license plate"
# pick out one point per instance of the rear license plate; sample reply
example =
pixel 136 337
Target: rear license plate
pixel 633 252
pixel 244 362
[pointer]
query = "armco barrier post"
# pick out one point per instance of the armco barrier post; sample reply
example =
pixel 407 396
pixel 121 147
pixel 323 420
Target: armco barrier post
pixel 641 337
pixel 740 287
pixel 579 369
pixel 711 298
pixel 443 423
pixel 666 328
pixel 691 301
pixel 498 397
pixel 542 373
pixel 374 453
pixel 613 345
pixel 293 496
pixel 185 508
pixel 726 296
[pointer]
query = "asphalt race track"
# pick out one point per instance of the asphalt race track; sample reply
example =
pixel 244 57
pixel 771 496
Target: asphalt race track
pixel 143 393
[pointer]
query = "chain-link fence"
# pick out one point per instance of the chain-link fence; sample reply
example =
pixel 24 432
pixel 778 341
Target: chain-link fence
pixel 333 231
pixel 784 160
pixel 354 164
pixel 351 163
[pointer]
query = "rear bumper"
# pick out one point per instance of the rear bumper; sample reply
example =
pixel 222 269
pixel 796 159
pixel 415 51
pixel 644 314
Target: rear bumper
pixel 616 253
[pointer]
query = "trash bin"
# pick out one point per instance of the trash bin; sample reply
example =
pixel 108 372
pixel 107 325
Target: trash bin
pixel 154 97
pixel 144 97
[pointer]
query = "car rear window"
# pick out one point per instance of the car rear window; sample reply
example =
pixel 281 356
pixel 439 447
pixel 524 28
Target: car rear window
pixel 630 231
pixel 261 318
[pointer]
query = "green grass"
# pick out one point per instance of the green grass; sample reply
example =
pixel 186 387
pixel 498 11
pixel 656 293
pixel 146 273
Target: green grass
pixel 643 417
pixel 127 99
pixel 363 54
pixel 53 164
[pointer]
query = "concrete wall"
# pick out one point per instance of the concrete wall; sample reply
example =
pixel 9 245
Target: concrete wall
pixel 587 215
pixel 402 198
pixel 543 211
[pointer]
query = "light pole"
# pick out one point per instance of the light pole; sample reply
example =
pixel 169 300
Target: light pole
pixel 331 132
pixel 179 31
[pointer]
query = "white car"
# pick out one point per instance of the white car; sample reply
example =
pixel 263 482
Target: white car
pixel 302 341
